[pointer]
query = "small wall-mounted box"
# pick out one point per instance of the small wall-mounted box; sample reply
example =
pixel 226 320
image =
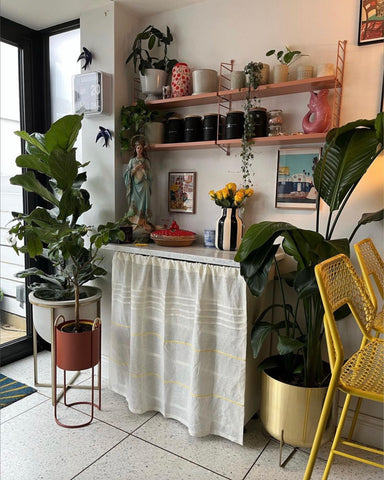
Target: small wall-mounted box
pixel 92 93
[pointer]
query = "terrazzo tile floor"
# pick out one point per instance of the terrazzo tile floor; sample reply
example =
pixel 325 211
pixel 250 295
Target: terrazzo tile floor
pixel 119 445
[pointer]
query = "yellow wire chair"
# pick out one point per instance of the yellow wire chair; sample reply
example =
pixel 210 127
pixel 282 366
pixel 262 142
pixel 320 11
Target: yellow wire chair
pixel 361 375
pixel 372 268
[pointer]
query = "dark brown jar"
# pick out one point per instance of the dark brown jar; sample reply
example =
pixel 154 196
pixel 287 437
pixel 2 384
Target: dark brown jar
pixel 259 116
pixel 174 130
pixel 234 124
pixel 193 128
pixel 210 126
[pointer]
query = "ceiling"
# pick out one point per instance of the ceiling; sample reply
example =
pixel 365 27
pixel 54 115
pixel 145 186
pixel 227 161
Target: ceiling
pixel 38 14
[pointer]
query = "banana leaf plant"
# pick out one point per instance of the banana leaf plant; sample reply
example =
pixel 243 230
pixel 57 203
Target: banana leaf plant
pixel 348 152
pixel 51 171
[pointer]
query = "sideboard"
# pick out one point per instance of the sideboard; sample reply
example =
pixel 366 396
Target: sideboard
pixel 179 340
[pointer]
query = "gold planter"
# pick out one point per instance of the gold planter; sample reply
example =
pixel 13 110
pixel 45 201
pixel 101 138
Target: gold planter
pixel 290 413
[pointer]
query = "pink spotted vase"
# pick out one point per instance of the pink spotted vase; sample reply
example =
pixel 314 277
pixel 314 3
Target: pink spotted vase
pixel 181 80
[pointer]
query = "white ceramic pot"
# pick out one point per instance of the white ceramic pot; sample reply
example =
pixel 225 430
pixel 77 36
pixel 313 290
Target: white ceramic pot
pixel 152 83
pixel 237 79
pixel 154 132
pixel 280 73
pixel 45 312
pixel 204 81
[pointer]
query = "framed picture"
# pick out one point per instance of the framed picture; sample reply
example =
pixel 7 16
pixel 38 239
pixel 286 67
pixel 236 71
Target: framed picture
pixel 371 22
pixel 182 192
pixel 294 184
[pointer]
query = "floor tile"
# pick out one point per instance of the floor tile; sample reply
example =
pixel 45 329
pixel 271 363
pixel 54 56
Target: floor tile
pixel 46 451
pixel 114 409
pixel 135 459
pixel 215 453
pixel 22 406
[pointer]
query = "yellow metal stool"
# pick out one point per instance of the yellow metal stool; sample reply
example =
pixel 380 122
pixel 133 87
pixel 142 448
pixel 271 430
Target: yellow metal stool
pixel 362 374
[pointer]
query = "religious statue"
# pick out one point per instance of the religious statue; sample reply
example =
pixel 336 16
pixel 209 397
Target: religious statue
pixel 138 180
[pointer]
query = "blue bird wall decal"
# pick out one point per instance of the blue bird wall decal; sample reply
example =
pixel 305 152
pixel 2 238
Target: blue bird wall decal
pixel 87 56
pixel 104 133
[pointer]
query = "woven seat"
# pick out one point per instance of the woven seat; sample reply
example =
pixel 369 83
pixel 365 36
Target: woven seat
pixel 372 269
pixel 362 374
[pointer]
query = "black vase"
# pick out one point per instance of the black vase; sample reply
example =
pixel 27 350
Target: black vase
pixel 193 128
pixel 234 125
pixel 174 130
pixel 229 230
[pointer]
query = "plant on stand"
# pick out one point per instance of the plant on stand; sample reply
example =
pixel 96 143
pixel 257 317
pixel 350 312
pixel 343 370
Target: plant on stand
pixel 253 78
pixel 347 154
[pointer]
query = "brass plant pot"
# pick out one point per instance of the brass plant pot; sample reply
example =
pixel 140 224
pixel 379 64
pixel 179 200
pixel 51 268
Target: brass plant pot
pixel 290 413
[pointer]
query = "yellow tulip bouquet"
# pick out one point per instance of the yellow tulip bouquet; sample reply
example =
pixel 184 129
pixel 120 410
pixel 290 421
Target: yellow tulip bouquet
pixel 230 196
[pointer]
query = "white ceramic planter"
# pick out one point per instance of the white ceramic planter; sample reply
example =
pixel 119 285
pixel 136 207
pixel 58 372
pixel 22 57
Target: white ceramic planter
pixel 154 132
pixel 152 82
pixel 280 73
pixel 204 81
pixel 45 312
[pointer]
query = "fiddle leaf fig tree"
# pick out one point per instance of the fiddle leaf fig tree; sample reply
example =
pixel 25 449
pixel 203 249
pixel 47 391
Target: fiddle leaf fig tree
pixel 51 171
pixel 347 154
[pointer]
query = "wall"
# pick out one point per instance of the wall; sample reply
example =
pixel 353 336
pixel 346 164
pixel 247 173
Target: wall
pixel 221 30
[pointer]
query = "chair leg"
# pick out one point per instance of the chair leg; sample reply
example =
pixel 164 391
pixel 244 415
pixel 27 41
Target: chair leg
pixel 337 436
pixel 320 428
pixel 354 420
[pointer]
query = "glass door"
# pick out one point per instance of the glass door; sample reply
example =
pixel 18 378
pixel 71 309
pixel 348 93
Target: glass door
pixel 13 311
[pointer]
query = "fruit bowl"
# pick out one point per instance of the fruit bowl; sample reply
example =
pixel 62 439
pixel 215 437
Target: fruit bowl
pixel 173 236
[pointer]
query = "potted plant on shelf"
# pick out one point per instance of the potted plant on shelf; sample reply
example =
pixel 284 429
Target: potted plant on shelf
pixel 285 58
pixel 52 173
pixel 140 122
pixel 348 152
pixel 253 73
pixel 153 71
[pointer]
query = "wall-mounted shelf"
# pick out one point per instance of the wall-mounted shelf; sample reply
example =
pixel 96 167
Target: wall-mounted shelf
pixel 183 146
pixel 278 140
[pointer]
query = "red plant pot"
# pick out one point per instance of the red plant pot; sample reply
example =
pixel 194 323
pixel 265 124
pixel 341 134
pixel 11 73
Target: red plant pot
pixel 77 350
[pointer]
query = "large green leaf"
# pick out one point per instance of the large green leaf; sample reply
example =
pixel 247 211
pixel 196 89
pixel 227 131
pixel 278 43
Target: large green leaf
pixel 33 140
pixel 348 153
pixel 30 183
pixel 63 133
pixel 63 168
pixel 32 162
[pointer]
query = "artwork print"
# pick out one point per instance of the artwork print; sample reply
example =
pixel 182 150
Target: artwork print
pixel 371 22
pixel 294 185
pixel 181 192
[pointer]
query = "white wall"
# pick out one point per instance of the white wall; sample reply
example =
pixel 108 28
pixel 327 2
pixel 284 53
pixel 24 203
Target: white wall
pixel 206 34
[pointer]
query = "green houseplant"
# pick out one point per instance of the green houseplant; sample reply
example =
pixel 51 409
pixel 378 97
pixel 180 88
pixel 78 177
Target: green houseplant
pixel 348 152
pixel 253 73
pixel 135 120
pixel 51 171
pixel 153 70
pixel 286 58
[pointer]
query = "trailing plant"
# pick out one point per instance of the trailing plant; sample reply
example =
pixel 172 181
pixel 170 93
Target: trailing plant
pixel 141 56
pixel 51 171
pixel 347 154
pixel 286 57
pixel 253 72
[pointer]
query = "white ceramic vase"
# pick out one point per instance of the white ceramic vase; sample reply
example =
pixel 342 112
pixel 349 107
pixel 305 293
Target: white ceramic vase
pixel 152 83
pixel 204 81
pixel 280 73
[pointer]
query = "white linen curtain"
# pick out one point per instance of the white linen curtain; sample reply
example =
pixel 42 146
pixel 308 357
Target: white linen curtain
pixel 178 341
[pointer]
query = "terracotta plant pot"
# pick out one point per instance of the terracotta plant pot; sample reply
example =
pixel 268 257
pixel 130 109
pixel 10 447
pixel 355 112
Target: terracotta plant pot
pixel 78 351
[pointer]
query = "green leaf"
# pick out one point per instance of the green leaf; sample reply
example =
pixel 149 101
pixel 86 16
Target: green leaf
pixel 63 167
pixel 348 153
pixel 29 182
pixel 288 344
pixel 371 217
pixel 32 162
pixel 63 133
pixel 32 140
pixel 260 332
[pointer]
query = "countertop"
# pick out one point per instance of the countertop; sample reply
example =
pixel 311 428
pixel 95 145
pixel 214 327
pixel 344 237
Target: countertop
pixel 193 253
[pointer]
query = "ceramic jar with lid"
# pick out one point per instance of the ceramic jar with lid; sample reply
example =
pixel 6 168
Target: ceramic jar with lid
pixel 193 128
pixel 304 71
pixel 234 124
pixel 174 130
pixel 181 80
pixel 275 122
pixel 210 126
pixel 259 117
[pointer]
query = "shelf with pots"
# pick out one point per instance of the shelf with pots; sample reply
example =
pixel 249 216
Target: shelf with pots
pixel 331 82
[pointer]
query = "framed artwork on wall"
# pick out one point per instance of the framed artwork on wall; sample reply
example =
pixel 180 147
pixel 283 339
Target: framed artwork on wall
pixel 371 22
pixel 182 192
pixel 294 183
